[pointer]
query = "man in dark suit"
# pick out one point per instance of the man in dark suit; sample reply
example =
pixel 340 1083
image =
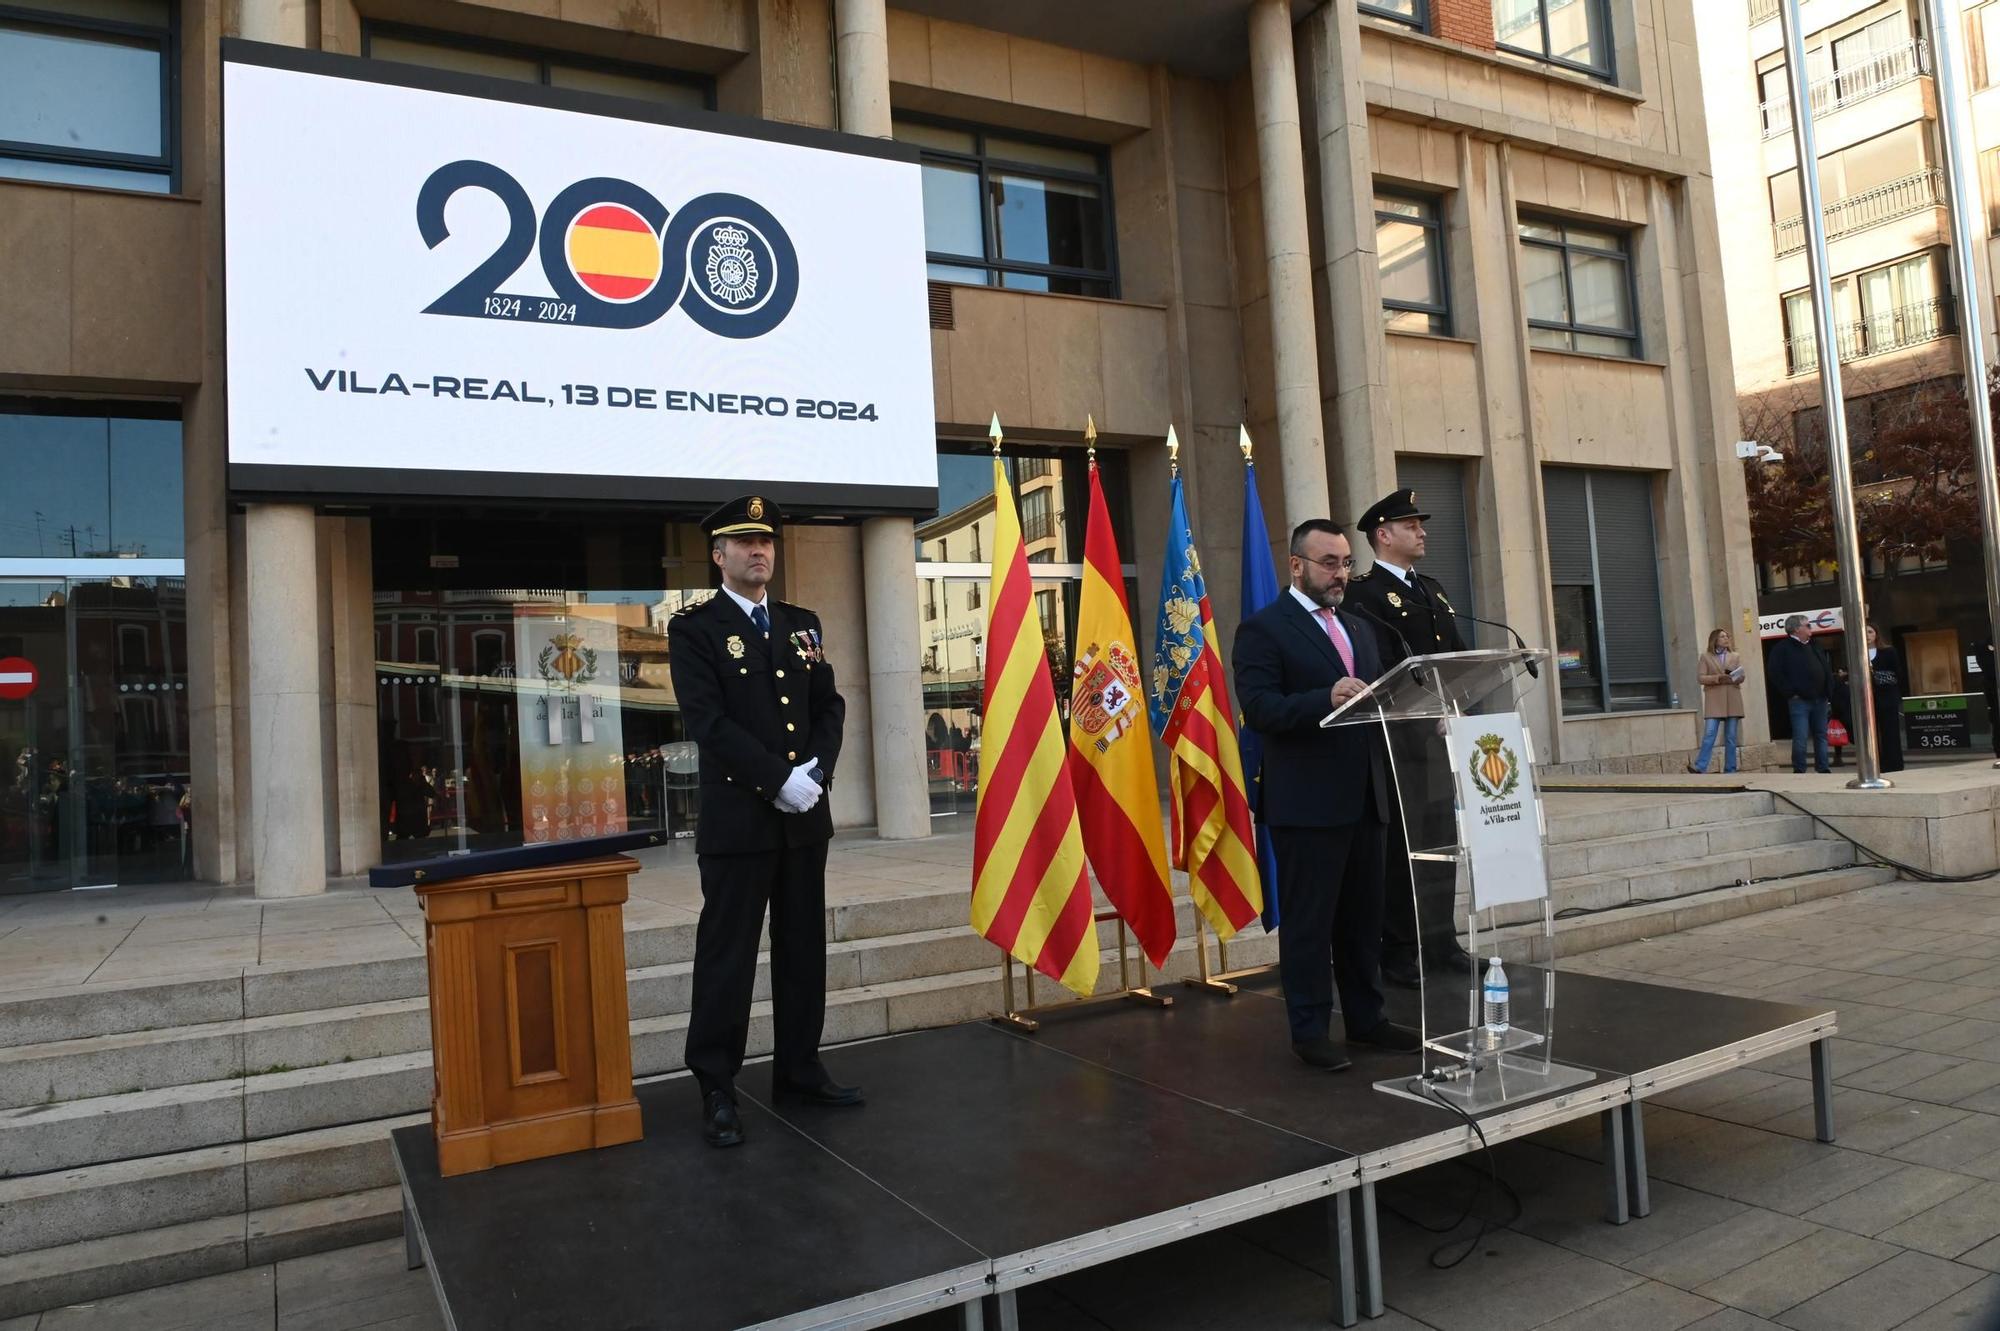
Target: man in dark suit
pixel 758 699
pixel 1419 622
pixel 1325 798
pixel 1800 674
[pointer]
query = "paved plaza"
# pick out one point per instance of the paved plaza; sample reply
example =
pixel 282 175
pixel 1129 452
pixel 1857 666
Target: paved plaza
pixel 1753 1224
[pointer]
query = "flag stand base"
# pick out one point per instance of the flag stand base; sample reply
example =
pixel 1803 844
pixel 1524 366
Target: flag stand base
pixel 1217 981
pixel 1021 1018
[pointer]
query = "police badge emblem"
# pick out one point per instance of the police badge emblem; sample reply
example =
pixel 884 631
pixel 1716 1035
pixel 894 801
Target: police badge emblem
pixel 731 269
pixel 1395 600
pixel 735 646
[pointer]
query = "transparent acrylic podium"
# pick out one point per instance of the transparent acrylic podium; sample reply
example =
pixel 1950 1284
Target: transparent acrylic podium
pixel 1461 764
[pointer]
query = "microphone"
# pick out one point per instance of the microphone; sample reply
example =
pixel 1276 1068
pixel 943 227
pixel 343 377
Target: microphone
pixel 1533 673
pixel 1416 672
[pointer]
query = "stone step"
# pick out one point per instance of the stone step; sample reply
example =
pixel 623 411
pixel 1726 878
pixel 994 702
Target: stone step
pixel 1680 878
pixel 1671 811
pixel 84 1011
pixel 281 1101
pixel 1588 933
pixel 45 1278
pixel 1604 854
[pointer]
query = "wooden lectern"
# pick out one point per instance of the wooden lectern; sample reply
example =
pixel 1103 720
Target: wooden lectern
pixel 530 1043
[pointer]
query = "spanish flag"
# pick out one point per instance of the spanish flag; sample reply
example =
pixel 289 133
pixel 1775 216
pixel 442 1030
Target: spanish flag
pixel 1030 894
pixel 1212 834
pixel 1110 754
pixel 613 253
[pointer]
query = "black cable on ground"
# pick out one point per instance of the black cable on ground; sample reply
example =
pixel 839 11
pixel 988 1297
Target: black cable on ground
pixel 1907 870
pixel 1479 1187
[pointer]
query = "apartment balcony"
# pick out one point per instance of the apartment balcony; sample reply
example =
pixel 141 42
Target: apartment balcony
pixel 1891 69
pixel 1898 198
pixel 1762 10
pixel 1876 335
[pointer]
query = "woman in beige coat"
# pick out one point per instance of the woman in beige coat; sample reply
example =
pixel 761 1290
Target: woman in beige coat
pixel 1721 674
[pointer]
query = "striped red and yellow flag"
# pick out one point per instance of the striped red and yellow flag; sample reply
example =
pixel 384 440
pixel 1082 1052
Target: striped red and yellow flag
pixel 1030 895
pixel 1110 755
pixel 613 253
pixel 1212 835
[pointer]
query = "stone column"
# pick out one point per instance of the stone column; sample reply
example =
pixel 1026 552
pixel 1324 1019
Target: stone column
pixel 288 812
pixel 861 29
pixel 1274 92
pixel 888 545
pixel 1364 467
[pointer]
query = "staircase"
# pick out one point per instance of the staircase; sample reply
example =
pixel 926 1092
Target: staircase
pixel 157 1132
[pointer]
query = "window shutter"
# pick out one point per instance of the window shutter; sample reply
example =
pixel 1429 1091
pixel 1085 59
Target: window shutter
pixel 1628 574
pixel 1440 487
pixel 1564 501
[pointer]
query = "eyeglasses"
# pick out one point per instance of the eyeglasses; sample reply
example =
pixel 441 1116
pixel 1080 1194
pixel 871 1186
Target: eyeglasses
pixel 1331 564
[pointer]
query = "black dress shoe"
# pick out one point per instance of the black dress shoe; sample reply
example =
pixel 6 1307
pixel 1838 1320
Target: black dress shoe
pixel 826 1091
pixel 1322 1053
pixel 721 1125
pixel 1453 958
pixel 1388 1035
pixel 1402 974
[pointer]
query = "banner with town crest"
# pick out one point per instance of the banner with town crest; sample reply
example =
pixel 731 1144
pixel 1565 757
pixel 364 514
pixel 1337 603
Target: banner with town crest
pixel 1500 821
pixel 570 727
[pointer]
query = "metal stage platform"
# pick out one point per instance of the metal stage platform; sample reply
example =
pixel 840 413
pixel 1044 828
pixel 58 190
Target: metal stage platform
pixel 987 1160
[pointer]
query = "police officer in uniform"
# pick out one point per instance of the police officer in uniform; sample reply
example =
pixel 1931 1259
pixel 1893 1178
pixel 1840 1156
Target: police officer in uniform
pixel 1420 622
pixel 758 699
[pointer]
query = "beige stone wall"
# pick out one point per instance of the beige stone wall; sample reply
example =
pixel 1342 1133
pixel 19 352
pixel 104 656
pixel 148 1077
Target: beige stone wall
pixel 133 291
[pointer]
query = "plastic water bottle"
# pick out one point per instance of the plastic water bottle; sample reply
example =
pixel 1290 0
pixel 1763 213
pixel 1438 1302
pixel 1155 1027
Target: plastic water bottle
pixel 1495 1003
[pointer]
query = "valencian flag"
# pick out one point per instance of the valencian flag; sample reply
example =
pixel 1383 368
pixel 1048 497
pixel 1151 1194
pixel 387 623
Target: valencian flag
pixel 1212 835
pixel 1260 588
pixel 1030 895
pixel 1110 757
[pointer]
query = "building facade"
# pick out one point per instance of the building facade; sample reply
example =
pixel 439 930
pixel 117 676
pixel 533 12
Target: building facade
pixel 1462 246
pixel 1871 75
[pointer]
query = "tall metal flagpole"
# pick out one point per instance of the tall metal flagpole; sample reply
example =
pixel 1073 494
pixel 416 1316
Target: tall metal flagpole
pixel 1840 474
pixel 1959 182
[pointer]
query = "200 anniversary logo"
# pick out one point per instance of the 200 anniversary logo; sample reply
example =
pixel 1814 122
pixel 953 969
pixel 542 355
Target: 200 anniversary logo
pixel 616 258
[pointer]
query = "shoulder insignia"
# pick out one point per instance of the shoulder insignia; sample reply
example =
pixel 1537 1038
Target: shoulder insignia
pixel 798 609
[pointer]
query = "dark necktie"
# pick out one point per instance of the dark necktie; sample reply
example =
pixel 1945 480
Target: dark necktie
pixel 761 618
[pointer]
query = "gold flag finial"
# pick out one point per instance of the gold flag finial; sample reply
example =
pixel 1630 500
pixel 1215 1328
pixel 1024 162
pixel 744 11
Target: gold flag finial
pixel 1243 440
pixel 993 433
pixel 1173 451
pixel 1090 435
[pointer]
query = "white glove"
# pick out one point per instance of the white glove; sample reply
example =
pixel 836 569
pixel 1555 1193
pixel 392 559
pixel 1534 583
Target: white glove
pixel 800 791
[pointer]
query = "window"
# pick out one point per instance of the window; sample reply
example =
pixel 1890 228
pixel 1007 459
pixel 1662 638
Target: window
pixel 1982 44
pixel 1448 547
pixel 554 69
pixel 1874 181
pixel 1409 247
pixel 1012 211
pixel 1573 33
pixel 1579 287
pixel 1883 309
pixel 1604 570
pixel 489 652
pixel 1862 57
pixel 88 486
pixel 87 97
pixel 1037 519
pixel 1413 12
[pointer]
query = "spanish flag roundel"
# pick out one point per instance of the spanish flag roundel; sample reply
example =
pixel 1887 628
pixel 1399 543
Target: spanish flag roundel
pixel 613 253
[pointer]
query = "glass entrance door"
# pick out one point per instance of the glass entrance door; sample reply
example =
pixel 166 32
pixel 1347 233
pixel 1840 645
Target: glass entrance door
pixel 96 787
pixel 37 811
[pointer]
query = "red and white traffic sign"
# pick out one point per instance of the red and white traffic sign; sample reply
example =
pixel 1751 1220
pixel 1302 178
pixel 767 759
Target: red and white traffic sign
pixel 18 677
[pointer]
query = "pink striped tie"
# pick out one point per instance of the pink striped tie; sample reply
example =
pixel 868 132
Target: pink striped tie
pixel 1339 639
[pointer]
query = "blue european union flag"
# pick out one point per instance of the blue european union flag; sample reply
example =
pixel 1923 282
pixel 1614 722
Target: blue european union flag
pixel 1260 588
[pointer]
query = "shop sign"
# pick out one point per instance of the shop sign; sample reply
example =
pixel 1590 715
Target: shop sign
pixel 471 289
pixel 1770 627
pixel 1940 721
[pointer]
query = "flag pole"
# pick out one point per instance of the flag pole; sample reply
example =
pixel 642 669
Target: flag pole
pixel 1022 1016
